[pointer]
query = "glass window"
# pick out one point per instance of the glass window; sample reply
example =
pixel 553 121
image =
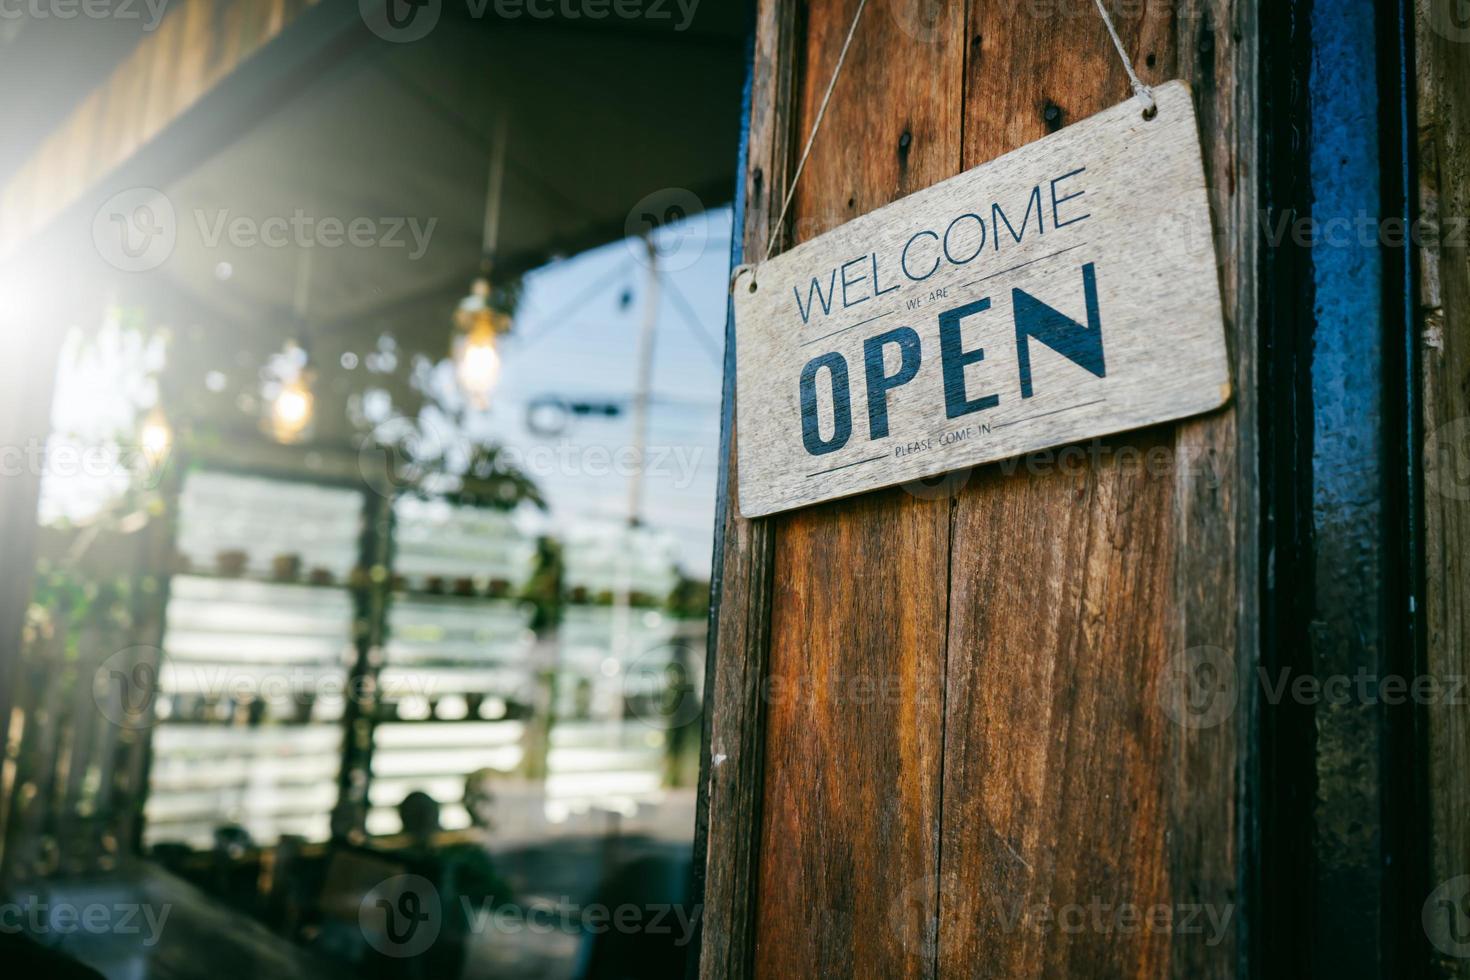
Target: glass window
pixel 373 565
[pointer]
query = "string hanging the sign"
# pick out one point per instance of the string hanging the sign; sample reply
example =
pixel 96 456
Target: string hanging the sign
pixel 816 125
pixel 1140 89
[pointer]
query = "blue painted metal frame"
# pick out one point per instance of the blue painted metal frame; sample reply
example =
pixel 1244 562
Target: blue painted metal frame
pixel 1337 822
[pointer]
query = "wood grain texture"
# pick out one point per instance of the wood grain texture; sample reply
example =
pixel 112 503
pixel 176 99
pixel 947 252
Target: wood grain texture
pixel 1443 46
pixel 1216 587
pixel 851 814
pixel 1068 782
pixel 850 822
pixel 1060 224
pixel 1054 790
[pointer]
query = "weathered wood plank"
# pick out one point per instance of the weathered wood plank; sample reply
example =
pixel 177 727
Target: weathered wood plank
pixel 1443 46
pixel 855 696
pixel 851 813
pixel 1068 782
pixel 1216 584
pixel 1054 790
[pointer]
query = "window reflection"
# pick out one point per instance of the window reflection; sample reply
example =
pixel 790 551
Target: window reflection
pixel 426 658
pixel 366 632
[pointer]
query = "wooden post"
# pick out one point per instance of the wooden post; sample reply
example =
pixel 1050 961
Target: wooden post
pixel 965 696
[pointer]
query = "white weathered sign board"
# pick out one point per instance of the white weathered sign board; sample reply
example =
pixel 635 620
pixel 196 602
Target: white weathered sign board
pixel 1066 290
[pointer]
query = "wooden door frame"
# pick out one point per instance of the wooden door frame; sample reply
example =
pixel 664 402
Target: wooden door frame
pixel 1218 525
pixel 1256 516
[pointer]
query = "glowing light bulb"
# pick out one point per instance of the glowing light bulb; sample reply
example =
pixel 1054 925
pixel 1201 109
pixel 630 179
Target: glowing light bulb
pixel 156 437
pixel 477 366
pixel 291 410
pixel 476 361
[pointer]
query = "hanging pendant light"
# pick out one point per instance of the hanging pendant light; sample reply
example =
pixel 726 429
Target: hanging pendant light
pixel 478 324
pixel 476 361
pixel 292 410
pixel 291 407
pixel 155 437
pixel 290 404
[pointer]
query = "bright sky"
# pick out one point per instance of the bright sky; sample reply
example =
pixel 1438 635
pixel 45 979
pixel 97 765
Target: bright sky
pixel 590 353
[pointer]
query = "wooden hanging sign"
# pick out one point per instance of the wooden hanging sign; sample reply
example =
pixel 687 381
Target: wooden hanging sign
pixel 1066 290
